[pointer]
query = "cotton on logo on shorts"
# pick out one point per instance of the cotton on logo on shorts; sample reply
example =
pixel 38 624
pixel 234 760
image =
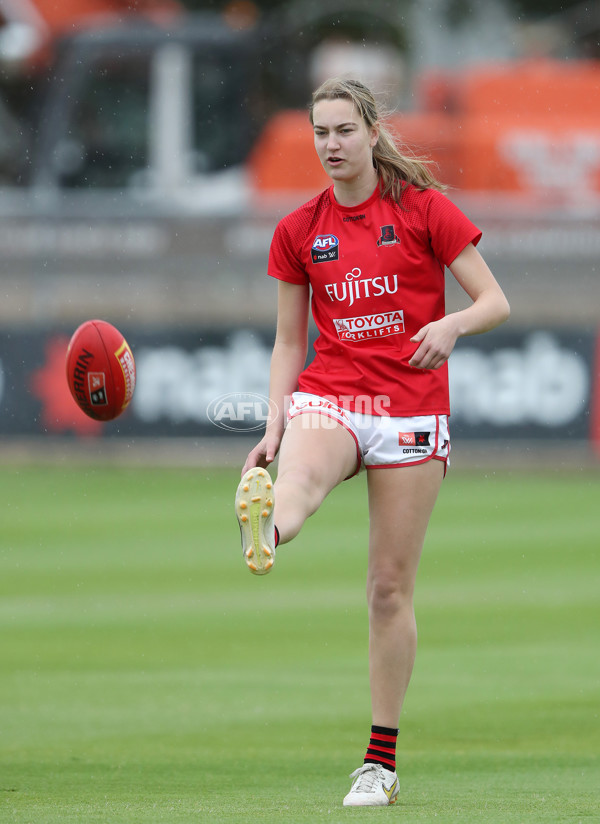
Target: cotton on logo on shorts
pixel 366 327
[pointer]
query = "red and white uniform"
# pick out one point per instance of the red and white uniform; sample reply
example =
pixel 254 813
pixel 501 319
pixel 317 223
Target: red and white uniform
pixel 377 276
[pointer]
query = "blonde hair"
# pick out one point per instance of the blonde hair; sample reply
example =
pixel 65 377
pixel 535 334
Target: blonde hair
pixel 396 169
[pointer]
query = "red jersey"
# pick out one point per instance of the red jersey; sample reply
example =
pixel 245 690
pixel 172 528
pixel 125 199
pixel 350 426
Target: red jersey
pixel 377 276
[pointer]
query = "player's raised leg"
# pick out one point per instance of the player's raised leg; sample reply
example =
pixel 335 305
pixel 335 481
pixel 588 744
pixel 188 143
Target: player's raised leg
pixel 316 454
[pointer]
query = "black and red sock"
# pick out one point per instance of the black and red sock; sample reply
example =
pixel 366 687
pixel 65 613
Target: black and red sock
pixel 382 747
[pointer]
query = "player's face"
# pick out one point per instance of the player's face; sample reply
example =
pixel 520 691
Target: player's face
pixel 343 141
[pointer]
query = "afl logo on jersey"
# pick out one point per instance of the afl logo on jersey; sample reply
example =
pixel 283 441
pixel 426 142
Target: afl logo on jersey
pixel 324 248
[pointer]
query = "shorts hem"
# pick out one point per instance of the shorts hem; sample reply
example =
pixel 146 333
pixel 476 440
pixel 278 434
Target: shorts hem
pixel 444 460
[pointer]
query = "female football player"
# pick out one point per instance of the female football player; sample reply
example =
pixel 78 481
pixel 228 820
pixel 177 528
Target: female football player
pixel 372 248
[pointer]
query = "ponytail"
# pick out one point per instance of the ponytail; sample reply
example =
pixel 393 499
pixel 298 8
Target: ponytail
pixel 397 169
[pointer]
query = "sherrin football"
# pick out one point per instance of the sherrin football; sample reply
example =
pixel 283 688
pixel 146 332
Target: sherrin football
pixel 100 370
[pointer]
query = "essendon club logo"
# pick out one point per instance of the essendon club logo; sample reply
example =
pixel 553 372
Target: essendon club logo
pixel 97 387
pixel 413 438
pixel 388 236
pixel 325 248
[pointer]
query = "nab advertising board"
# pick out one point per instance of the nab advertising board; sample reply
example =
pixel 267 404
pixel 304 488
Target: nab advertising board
pixel 534 385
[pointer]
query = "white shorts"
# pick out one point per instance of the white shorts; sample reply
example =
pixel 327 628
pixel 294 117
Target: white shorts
pixel 382 441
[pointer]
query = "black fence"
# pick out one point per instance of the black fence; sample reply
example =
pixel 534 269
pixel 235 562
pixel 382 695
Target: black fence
pixel 530 385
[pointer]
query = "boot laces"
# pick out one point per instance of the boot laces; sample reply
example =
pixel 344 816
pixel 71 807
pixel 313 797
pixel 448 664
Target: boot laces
pixel 367 777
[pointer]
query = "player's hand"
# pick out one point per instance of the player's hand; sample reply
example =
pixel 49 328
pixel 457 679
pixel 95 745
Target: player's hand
pixel 263 453
pixel 436 341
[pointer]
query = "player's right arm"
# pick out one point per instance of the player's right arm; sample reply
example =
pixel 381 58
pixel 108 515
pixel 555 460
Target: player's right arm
pixel 287 361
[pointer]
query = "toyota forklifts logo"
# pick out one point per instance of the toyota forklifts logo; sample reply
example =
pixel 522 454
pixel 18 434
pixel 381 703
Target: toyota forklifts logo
pixel 239 411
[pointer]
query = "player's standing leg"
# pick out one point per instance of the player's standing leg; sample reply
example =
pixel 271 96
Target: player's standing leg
pixel 400 504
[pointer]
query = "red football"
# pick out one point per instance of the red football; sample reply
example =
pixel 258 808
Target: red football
pixel 100 370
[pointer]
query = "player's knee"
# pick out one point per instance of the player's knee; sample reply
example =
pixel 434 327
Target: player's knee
pixel 388 594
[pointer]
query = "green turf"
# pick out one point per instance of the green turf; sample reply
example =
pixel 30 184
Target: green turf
pixel 145 676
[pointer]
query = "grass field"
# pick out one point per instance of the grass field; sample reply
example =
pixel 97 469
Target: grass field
pixel 145 676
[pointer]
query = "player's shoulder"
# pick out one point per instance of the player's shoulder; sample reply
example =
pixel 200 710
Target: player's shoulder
pixel 413 209
pixel 419 199
pixel 424 208
pixel 300 220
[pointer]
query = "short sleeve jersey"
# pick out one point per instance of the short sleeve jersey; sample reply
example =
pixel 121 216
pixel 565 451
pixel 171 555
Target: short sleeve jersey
pixel 377 276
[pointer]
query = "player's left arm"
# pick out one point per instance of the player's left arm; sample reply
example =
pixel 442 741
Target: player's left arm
pixel 489 309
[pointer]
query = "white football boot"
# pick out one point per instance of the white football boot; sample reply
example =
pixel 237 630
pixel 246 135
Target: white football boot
pixel 373 786
pixel 254 509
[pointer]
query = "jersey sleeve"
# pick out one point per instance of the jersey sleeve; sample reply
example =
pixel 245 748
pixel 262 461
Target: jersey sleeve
pixel 284 257
pixel 450 231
